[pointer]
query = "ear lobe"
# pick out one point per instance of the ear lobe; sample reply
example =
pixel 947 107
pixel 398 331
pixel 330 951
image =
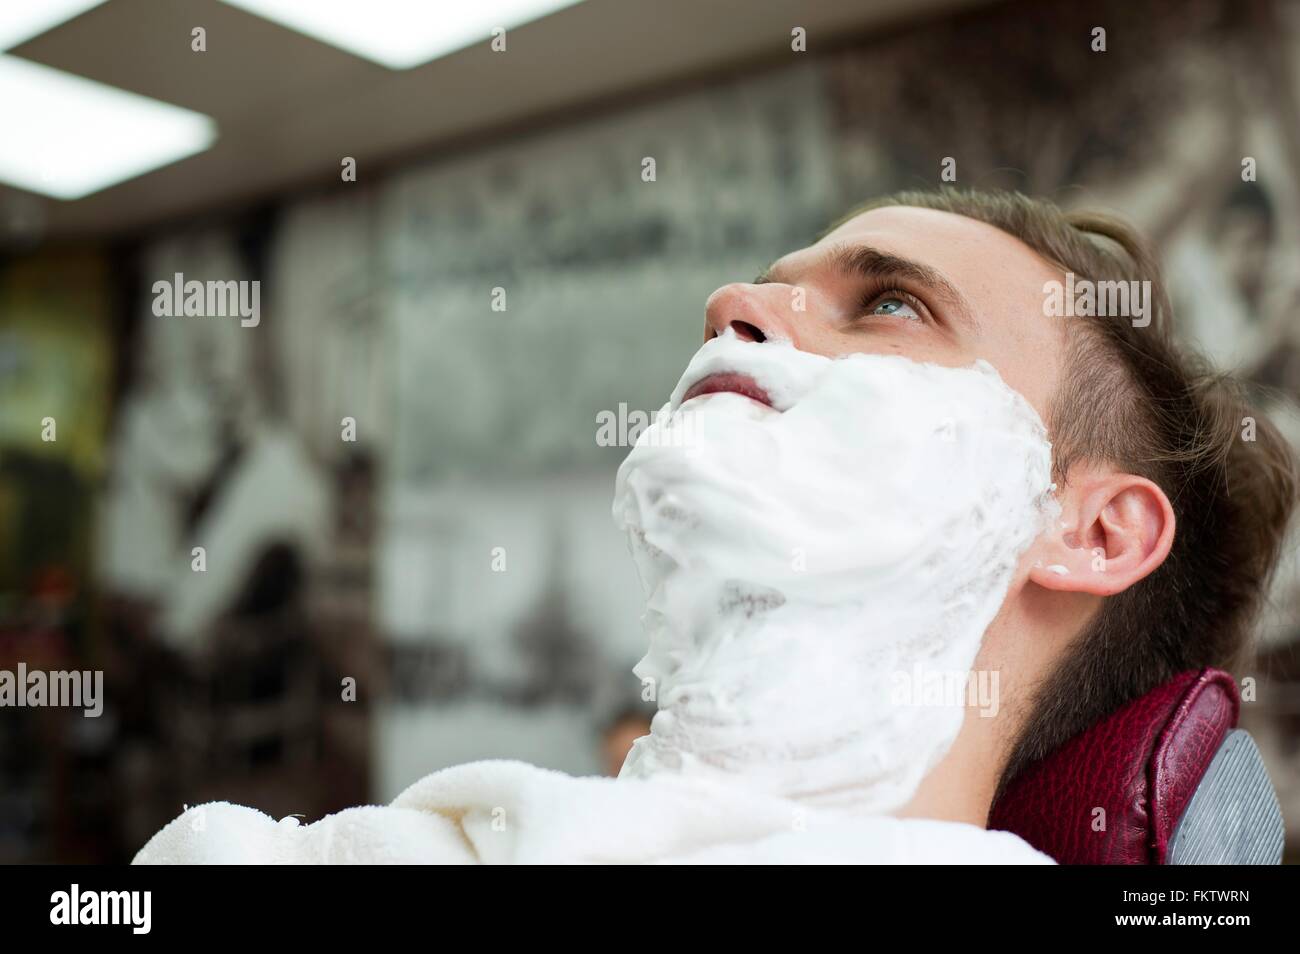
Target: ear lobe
pixel 1114 531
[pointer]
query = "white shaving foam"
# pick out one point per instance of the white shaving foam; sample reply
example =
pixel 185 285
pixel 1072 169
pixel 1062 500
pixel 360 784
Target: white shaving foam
pixel 796 559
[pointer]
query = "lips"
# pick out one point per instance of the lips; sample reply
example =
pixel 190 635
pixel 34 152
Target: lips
pixel 728 381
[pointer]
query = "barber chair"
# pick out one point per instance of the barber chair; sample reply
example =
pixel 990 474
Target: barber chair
pixel 1178 784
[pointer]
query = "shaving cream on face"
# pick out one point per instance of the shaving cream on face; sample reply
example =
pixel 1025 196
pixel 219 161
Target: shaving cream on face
pixel 800 560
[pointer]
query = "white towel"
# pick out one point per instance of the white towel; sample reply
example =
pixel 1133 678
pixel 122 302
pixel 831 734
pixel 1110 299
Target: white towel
pixel 507 812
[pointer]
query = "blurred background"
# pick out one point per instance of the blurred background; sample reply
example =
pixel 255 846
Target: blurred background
pixel 400 476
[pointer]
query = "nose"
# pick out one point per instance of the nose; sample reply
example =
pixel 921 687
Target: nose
pixel 753 312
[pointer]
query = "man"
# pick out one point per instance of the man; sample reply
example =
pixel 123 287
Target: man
pixel 868 497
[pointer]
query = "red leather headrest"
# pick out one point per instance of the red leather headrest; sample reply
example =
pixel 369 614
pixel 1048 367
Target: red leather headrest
pixel 1141 765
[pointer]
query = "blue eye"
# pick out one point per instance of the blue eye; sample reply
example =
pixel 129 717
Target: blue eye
pixel 895 307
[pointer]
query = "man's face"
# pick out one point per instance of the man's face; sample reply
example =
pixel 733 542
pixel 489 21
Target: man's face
pixel 810 542
pixel 928 285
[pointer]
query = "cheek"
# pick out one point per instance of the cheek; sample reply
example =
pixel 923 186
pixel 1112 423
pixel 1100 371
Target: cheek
pixel 885 338
pixel 830 342
pixel 916 347
pixel 872 344
pixel 1027 372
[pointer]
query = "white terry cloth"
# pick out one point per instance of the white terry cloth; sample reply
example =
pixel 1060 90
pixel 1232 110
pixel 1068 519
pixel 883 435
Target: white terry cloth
pixel 509 812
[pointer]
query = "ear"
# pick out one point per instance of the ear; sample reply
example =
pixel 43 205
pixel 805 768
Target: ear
pixel 1114 529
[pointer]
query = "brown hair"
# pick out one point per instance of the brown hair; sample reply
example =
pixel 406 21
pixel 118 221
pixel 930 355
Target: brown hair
pixel 1132 397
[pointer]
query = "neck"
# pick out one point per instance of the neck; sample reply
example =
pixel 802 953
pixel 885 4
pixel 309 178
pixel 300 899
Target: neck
pixel 799 703
pixel 961 787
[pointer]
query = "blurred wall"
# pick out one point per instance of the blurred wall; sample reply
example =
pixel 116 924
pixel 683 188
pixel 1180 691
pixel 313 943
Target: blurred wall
pixel 55 372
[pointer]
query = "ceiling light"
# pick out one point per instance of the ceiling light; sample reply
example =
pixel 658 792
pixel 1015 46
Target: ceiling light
pixel 400 33
pixel 20 20
pixel 66 136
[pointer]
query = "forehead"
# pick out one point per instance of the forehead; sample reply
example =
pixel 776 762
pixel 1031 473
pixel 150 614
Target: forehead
pixel 962 249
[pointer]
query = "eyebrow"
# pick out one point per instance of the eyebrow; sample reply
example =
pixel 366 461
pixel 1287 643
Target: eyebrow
pixel 865 261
